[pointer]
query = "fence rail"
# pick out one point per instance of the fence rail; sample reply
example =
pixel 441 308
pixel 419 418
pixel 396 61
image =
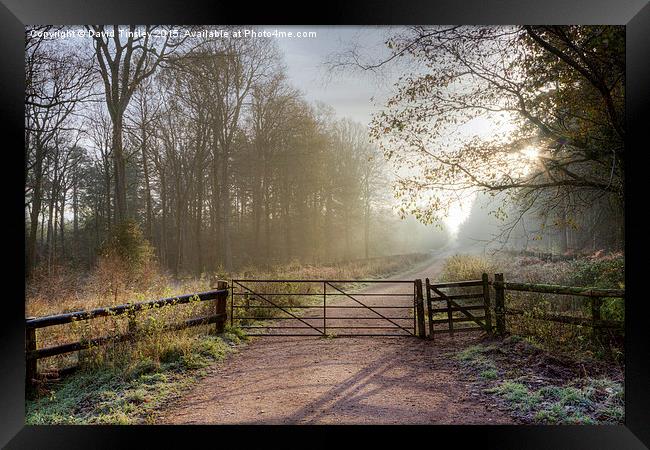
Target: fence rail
pixel 568 319
pixel 500 286
pixel 561 290
pixel 33 353
pixel 58 319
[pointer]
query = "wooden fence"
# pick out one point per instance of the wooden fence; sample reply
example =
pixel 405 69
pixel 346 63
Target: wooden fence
pixel 593 294
pixel 219 295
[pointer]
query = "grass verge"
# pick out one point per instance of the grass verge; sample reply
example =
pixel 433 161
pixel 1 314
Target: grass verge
pixel 132 392
pixel 550 390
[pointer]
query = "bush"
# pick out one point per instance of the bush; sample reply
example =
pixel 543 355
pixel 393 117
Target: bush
pixel 466 267
pixel 128 243
pixel 126 260
pixel 606 272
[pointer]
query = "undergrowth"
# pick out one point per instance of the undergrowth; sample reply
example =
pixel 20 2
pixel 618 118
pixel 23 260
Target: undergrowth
pixel 590 402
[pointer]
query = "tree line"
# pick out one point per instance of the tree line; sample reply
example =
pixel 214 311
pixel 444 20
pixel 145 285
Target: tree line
pixel 202 143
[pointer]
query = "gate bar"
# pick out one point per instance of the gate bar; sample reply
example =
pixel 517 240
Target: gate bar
pixel 399 329
pixel 313 294
pixel 451 303
pixel 324 308
pixel 430 310
pixel 325 281
pixel 318 306
pixel 281 308
pixel 379 314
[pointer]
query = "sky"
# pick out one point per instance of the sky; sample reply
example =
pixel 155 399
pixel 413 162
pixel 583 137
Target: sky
pixel 349 93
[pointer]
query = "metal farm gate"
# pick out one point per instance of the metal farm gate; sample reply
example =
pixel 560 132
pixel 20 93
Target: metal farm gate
pixel 326 307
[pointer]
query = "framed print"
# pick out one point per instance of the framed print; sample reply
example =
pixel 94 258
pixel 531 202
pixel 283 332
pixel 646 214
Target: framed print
pixel 414 214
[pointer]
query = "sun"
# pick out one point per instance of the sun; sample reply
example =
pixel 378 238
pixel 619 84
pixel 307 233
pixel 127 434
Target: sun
pixel 530 152
pixel 458 213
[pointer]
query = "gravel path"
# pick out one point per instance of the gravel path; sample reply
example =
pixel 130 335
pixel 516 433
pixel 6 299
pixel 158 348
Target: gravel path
pixel 345 380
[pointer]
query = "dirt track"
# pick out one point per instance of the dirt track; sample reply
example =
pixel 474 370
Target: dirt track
pixel 347 380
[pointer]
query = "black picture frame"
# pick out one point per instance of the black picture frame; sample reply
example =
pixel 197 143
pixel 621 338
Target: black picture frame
pixel 14 14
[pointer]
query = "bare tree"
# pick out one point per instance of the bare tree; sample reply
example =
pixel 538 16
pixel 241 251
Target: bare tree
pixel 125 58
pixel 57 82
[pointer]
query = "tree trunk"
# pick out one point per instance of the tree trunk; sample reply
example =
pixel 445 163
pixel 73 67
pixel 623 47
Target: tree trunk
pixel 267 227
pixel 257 204
pixel 48 238
pixel 37 198
pixel 107 193
pixel 147 187
pixel 347 233
pixel 225 213
pixel 75 218
pixel 328 228
pixel 215 204
pixel 62 219
pixel 366 229
pixel 163 225
pixel 119 162
pixel 267 212
pixel 179 221
pixel 563 239
pixel 199 219
pixel 42 225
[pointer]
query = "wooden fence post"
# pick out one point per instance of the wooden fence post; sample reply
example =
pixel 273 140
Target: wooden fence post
pixel 486 300
pixel 220 306
pixel 422 332
pixel 133 324
pixel 31 364
pixel 499 304
pixel 429 311
pixel 596 332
